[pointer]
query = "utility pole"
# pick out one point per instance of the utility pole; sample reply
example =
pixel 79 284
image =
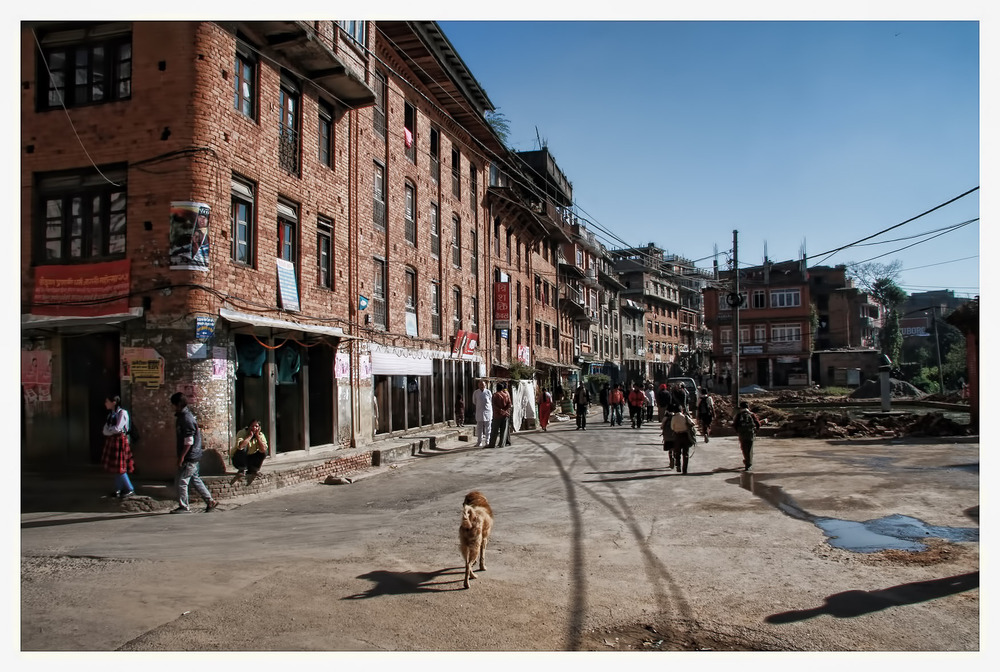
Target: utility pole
pixel 735 302
pixel 937 348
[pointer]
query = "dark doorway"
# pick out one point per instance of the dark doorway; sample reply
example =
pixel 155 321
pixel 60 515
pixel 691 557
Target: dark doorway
pixel 322 406
pixel 92 373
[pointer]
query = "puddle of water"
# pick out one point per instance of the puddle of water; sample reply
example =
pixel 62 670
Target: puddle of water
pixel 890 532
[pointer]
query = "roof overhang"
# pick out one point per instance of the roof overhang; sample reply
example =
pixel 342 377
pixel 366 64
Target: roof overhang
pixel 29 321
pixel 285 325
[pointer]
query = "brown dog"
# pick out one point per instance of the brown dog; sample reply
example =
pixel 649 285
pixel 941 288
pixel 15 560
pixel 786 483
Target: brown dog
pixel 474 532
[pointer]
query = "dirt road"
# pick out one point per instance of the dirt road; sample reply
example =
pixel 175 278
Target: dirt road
pixel 597 546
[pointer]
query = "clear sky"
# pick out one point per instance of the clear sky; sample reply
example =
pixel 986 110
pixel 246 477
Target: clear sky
pixel 797 134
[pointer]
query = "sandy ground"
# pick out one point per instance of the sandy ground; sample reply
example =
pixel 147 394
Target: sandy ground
pixel 596 546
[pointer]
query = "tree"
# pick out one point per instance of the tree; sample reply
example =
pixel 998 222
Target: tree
pixel 499 123
pixel 889 295
pixel 866 275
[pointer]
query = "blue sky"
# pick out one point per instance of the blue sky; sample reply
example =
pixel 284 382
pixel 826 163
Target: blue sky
pixel 810 133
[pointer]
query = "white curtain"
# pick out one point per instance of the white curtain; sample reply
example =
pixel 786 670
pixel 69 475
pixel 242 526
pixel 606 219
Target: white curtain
pixel 523 398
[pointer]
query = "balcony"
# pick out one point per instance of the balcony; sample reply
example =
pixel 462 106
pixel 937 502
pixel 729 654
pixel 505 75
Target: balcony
pixel 313 58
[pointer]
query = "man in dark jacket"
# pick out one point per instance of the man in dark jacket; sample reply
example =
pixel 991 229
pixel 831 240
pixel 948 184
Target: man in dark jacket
pixel 582 400
pixel 502 405
pixel 189 452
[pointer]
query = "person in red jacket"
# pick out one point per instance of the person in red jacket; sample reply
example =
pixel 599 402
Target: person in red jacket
pixel 501 417
pixel 616 399
pixel 636 401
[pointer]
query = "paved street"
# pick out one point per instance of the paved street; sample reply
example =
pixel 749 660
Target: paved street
pixel 594 539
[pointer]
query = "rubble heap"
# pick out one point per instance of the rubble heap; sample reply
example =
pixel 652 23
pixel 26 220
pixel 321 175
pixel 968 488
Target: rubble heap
pixel 872 389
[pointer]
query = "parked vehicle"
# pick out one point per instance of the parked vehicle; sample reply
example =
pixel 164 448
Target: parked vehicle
pixel 692 390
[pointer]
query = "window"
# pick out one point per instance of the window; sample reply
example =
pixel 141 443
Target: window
pixel 784 298
pixel 288 127
pixel 456 303
pixel 410 213
pixel 435 230
pixel 759 333
pixel 356 30
pixel 378 196
pixel 410 132
pixel 325 139
pixel 324 253
pixel 786 333
pixel 456 241
pixel 243 216
pixel 410 290
pixel 435 155
pixel 435 309
pixel 288 221
pixel 474 254
pixel 245 81
pixel 85 65
pixel 380 87
pixel 473 188
pixel 456 175
pixel 474 317
pixel 379 282
pixel 84 217
pixel 759 299
pixel 744 334
pixel 726 335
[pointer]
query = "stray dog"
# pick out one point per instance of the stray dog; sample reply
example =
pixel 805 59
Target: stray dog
pixel 474 532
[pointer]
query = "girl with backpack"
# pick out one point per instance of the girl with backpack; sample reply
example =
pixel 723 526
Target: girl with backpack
pixel 117 455
pixel 706 413
pixel 684 437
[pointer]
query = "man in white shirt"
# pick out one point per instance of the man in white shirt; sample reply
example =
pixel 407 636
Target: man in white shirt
pixel 482 398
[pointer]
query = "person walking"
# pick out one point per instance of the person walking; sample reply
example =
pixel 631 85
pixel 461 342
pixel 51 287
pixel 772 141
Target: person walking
pixel 662 401
pixel 189 452
pixel 249 450
pixel 650 398
pixel 459 410
pixel 616 399
pixel 581 398
pixel 545 409
pixel 746 423
pixel 636 400
pixel 684 437
pixel 116 458
pixel 706 413
pixel 500 432
pixel 668 438
pixel 605 401
pixel 482 399
pixel 729 382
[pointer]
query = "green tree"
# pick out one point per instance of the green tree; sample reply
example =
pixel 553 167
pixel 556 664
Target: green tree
pixel 499 123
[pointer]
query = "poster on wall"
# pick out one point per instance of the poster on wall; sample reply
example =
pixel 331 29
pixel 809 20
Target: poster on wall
pixel 142 366
pixel 189 241
pixel 342 365
pixel 219 361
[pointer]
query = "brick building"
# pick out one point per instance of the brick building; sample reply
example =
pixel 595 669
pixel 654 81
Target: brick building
pixel 775 326
pixel 252 213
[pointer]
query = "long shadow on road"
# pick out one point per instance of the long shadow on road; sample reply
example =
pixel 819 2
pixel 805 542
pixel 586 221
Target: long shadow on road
pixel 851 603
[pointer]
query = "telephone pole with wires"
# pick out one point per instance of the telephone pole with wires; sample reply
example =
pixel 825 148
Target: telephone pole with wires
pixel 735 302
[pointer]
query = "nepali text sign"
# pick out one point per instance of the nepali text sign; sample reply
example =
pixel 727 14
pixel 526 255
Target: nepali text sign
pixel 501 305
pixel 86 290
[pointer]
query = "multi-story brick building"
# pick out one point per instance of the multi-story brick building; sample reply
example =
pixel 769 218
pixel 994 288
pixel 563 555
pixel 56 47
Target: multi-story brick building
pixel 775 325
pixel 650 282
pixel 252 213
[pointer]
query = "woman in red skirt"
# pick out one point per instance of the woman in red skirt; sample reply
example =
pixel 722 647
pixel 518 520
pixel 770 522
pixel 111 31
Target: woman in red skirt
pixel 117 455
pixel 545 409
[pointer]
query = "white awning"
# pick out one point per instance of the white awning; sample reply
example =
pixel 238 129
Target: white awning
pixel 262 321
pixel 52 321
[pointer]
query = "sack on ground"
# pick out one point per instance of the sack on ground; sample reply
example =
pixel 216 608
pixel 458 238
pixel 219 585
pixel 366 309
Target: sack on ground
pixel 678 423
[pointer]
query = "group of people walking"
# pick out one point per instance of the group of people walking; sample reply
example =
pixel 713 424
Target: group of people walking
pixel 493 411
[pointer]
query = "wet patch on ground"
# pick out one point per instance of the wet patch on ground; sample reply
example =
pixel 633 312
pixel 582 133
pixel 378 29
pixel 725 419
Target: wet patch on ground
pixel 889 533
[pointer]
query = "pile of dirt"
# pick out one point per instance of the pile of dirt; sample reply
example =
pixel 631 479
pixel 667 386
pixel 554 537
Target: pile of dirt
pixel 828 425
pixel 872 389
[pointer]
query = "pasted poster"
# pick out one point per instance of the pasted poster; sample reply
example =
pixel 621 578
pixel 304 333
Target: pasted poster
pixel 189 240
pixel 342 365
pixel 36 377
pixel 143 366
pixel 220 363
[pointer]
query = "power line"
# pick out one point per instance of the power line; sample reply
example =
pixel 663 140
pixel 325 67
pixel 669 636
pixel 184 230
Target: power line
pixel 830 253
pixel 906 247
pixel 940 263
